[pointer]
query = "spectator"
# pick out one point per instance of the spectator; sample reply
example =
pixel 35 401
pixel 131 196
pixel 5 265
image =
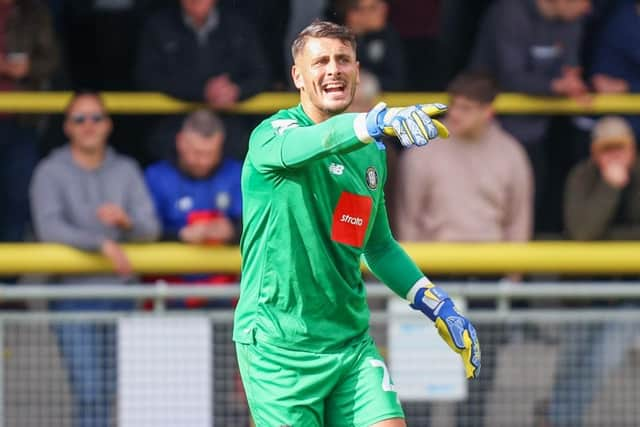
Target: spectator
pixel 481 168
pixel 28 58
pixel 418 24
pixel 532 47
pixel 197 196
pixel 601 203
pixel 615 58
pixel 601 200
pixel 181 53
pixel 379 47
pixel 87 196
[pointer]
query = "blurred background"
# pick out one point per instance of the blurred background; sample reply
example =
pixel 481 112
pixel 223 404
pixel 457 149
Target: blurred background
pixel 123 127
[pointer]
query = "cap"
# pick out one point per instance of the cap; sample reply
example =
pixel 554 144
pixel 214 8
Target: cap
pixel 611 131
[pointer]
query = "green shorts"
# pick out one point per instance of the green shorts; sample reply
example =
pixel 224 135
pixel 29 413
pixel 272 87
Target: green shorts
pixel 350 387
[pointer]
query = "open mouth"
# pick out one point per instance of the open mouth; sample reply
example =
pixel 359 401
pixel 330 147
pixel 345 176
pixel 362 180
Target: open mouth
pixel 334 88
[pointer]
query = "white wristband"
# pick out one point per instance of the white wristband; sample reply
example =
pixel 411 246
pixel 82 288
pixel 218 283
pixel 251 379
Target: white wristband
pixel 422 282
pixel 360 128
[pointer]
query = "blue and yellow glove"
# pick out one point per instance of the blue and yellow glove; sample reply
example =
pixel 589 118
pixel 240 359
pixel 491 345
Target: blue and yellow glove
pixel 454 328
pixel 412 125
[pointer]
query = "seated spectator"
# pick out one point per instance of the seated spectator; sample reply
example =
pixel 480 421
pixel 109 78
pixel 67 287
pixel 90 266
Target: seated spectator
pixel 198 52
pixel 481 168
pixel 532 47
pixel 28 58
pixel 379 48
pixel 197 196
pixel 601 200
pixel 89 197
pixel 601 203
pixel 615 57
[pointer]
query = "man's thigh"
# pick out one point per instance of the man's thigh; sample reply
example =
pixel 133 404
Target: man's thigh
pixel 284 387
pixel 365 395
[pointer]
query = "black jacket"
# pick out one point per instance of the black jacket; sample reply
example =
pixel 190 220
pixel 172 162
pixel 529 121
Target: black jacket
pixel 171 60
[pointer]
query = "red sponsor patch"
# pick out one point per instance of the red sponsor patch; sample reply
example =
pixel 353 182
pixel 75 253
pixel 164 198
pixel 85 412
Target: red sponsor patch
pixel 350 219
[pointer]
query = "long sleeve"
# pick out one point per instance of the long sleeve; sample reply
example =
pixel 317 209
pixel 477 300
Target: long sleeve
pixel 139 205
pixel 590 203
pixel 386 258
pixel 47 210
pixel 519 210
pixel 281 144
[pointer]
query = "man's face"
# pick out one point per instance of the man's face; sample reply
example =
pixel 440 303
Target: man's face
pixel 326 73
pixel 370 15
pixel 466 117
pixel 571 10
pixel 198 155
pixel 198 10
pixel 622 155
pixel 87 124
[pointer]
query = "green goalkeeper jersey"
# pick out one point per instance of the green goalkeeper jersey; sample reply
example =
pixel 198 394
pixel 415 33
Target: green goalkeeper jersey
pixel 313 204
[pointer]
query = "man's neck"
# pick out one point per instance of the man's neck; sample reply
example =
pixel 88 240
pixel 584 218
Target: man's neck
pixel 315 114
pixel 86 159
pixel 477 134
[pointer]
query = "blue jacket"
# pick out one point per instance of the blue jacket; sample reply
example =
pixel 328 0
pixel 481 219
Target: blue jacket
pixel 177 195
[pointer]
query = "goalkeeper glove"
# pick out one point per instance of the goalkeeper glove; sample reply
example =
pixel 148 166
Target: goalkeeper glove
pixel 454 328
pixel 412 125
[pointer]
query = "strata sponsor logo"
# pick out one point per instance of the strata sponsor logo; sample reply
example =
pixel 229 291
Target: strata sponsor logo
pixel 336 169
pixel 281 125
pixel 353 220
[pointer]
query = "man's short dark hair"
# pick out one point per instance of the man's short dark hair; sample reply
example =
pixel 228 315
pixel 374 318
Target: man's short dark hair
pixel 203 122
pixel 477 86
pixel 322 29
pixel 81 93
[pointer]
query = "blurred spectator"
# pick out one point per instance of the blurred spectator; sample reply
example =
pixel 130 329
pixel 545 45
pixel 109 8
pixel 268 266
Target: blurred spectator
pixel 270 18
pixel 480 168
pixel 28 58
pixel 418 24
pixel 532 47
pixel 615 57
pixel 197 196
pixel 198 52
pixel 379 48
pixel 601 198
pixel 302 12
pixel 87 196
pixel 601 203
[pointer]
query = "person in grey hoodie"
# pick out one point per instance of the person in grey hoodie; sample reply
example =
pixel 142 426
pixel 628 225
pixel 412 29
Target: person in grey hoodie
pixel 89 197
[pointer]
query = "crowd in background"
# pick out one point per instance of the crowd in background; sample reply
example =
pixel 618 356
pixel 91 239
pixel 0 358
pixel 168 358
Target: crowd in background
pixel 94 181
pixel 508 172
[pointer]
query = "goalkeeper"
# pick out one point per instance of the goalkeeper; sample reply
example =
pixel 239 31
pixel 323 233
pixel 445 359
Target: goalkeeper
pixel 312 206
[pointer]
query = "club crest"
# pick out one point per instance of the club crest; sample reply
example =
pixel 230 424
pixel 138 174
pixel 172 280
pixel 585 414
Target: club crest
pixel 372 178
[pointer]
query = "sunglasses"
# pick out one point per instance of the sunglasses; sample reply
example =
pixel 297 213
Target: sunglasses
pixel 79 119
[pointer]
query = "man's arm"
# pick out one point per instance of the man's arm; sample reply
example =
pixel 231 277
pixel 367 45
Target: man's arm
pixel 391 264
pixel 386 258
pixel 283 144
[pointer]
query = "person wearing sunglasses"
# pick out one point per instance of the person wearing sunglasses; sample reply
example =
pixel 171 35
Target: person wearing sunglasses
pixel 87 196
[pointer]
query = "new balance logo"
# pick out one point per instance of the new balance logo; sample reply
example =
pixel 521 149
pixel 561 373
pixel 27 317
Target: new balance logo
pixel 336 169
pixel 353 220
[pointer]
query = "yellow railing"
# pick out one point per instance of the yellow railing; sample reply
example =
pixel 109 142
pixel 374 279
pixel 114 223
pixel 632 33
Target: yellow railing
pixel 434 258
pixel 265 103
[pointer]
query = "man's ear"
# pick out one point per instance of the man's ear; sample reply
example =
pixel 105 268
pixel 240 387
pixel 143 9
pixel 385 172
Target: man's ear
pixel 296 76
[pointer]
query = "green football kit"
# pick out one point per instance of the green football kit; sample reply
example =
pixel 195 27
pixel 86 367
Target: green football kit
pixel 313 207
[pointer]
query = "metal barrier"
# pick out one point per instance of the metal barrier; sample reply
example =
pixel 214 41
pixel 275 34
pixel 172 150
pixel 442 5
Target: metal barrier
pixel 577 367
pixel 269 102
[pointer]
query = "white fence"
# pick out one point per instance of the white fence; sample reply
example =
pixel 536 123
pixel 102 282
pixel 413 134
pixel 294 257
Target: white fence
pixel 559 352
